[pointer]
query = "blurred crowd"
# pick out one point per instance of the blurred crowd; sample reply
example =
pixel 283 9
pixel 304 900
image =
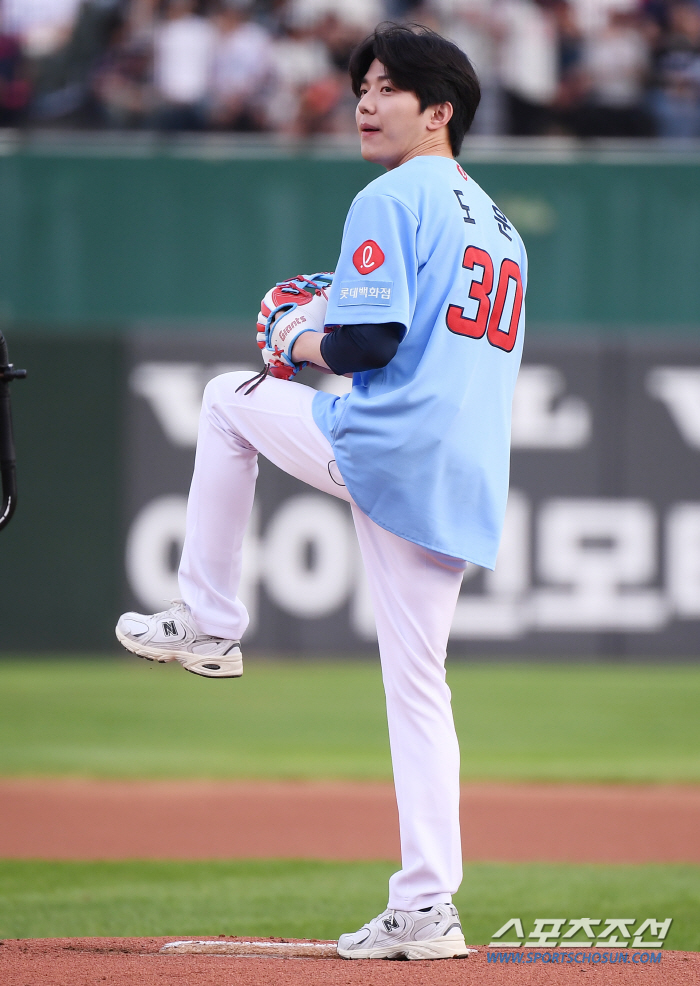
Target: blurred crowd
pixel 587 68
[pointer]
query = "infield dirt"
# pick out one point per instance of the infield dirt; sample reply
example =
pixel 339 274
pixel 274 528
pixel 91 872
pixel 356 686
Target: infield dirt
pixel 73 819
pixel 138 962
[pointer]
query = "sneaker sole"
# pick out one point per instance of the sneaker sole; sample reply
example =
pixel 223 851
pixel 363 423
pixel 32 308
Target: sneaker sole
pixel 228 668
pixel 438 948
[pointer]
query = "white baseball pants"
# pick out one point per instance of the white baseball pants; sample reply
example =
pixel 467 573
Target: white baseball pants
pixel 414 592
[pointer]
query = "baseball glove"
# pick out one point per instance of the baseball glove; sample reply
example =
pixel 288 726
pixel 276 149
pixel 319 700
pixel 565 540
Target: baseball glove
pixel 289 309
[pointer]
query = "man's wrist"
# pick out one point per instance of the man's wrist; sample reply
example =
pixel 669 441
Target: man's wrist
pixel 306 348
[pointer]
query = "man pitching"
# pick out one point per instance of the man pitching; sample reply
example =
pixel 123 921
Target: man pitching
pixel 425 308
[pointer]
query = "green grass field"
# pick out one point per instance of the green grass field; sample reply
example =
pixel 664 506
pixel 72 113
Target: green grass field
pixel 321 900
pixel 129 719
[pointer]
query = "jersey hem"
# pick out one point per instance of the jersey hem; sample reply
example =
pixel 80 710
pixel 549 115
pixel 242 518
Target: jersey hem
pixel 320 398
pixel 467 557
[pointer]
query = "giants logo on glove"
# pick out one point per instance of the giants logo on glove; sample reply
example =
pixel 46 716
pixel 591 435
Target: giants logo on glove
pixel 283 333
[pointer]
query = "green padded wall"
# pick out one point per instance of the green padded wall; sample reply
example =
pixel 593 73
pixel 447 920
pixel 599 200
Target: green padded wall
pixel 107 241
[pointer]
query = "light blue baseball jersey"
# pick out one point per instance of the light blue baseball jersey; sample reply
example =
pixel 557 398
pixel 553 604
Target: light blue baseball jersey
pixel 423 444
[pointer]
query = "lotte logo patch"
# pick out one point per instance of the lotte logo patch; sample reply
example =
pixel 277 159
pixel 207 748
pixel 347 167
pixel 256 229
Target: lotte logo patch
pixel 368 257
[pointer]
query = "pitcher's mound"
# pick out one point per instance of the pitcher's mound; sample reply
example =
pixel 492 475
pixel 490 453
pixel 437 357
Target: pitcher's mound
pixel 282 962
pixel 253 948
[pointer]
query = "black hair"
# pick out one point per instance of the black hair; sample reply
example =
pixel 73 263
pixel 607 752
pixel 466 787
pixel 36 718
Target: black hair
pixel 420 61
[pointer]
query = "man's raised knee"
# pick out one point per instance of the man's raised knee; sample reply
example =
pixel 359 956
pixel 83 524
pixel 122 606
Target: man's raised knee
pixel 226 384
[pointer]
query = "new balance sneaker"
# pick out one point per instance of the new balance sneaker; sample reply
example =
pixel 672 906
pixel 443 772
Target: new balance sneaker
pixel 173 635
pixel 430 933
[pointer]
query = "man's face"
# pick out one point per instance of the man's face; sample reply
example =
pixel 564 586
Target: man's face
pixel 390 121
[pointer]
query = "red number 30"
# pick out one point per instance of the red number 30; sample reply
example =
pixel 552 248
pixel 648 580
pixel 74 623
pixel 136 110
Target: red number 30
pixel 480 291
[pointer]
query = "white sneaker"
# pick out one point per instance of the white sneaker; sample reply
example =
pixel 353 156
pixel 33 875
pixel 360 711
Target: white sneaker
pixel 173 635
pixel 430 933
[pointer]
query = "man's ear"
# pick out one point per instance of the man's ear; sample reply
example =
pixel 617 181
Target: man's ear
pixel 440 115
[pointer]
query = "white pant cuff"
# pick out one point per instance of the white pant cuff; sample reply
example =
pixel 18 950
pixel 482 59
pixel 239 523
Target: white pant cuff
pixel 214 630
pixel 416 903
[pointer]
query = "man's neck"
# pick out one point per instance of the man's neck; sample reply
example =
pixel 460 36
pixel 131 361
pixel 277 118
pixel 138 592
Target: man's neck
pixel 433 146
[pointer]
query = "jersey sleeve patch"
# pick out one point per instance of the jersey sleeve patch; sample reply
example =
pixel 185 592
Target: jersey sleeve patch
pixel 365 293
pixel 368 257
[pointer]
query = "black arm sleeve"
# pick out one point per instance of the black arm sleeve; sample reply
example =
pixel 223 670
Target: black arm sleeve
pixel 353 348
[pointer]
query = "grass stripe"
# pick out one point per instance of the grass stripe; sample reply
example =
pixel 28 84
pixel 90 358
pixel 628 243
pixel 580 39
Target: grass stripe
pixel 122 718
pixel 321 900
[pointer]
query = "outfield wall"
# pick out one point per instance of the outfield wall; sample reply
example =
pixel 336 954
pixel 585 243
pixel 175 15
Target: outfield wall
pixel 103 234
pixel 128 279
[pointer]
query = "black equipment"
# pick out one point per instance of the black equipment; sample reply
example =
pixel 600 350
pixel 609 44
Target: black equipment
pixel 7 445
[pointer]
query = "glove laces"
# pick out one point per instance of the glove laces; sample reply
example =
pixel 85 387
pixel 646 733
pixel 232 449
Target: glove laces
pixel 295 285
pixel 255 381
